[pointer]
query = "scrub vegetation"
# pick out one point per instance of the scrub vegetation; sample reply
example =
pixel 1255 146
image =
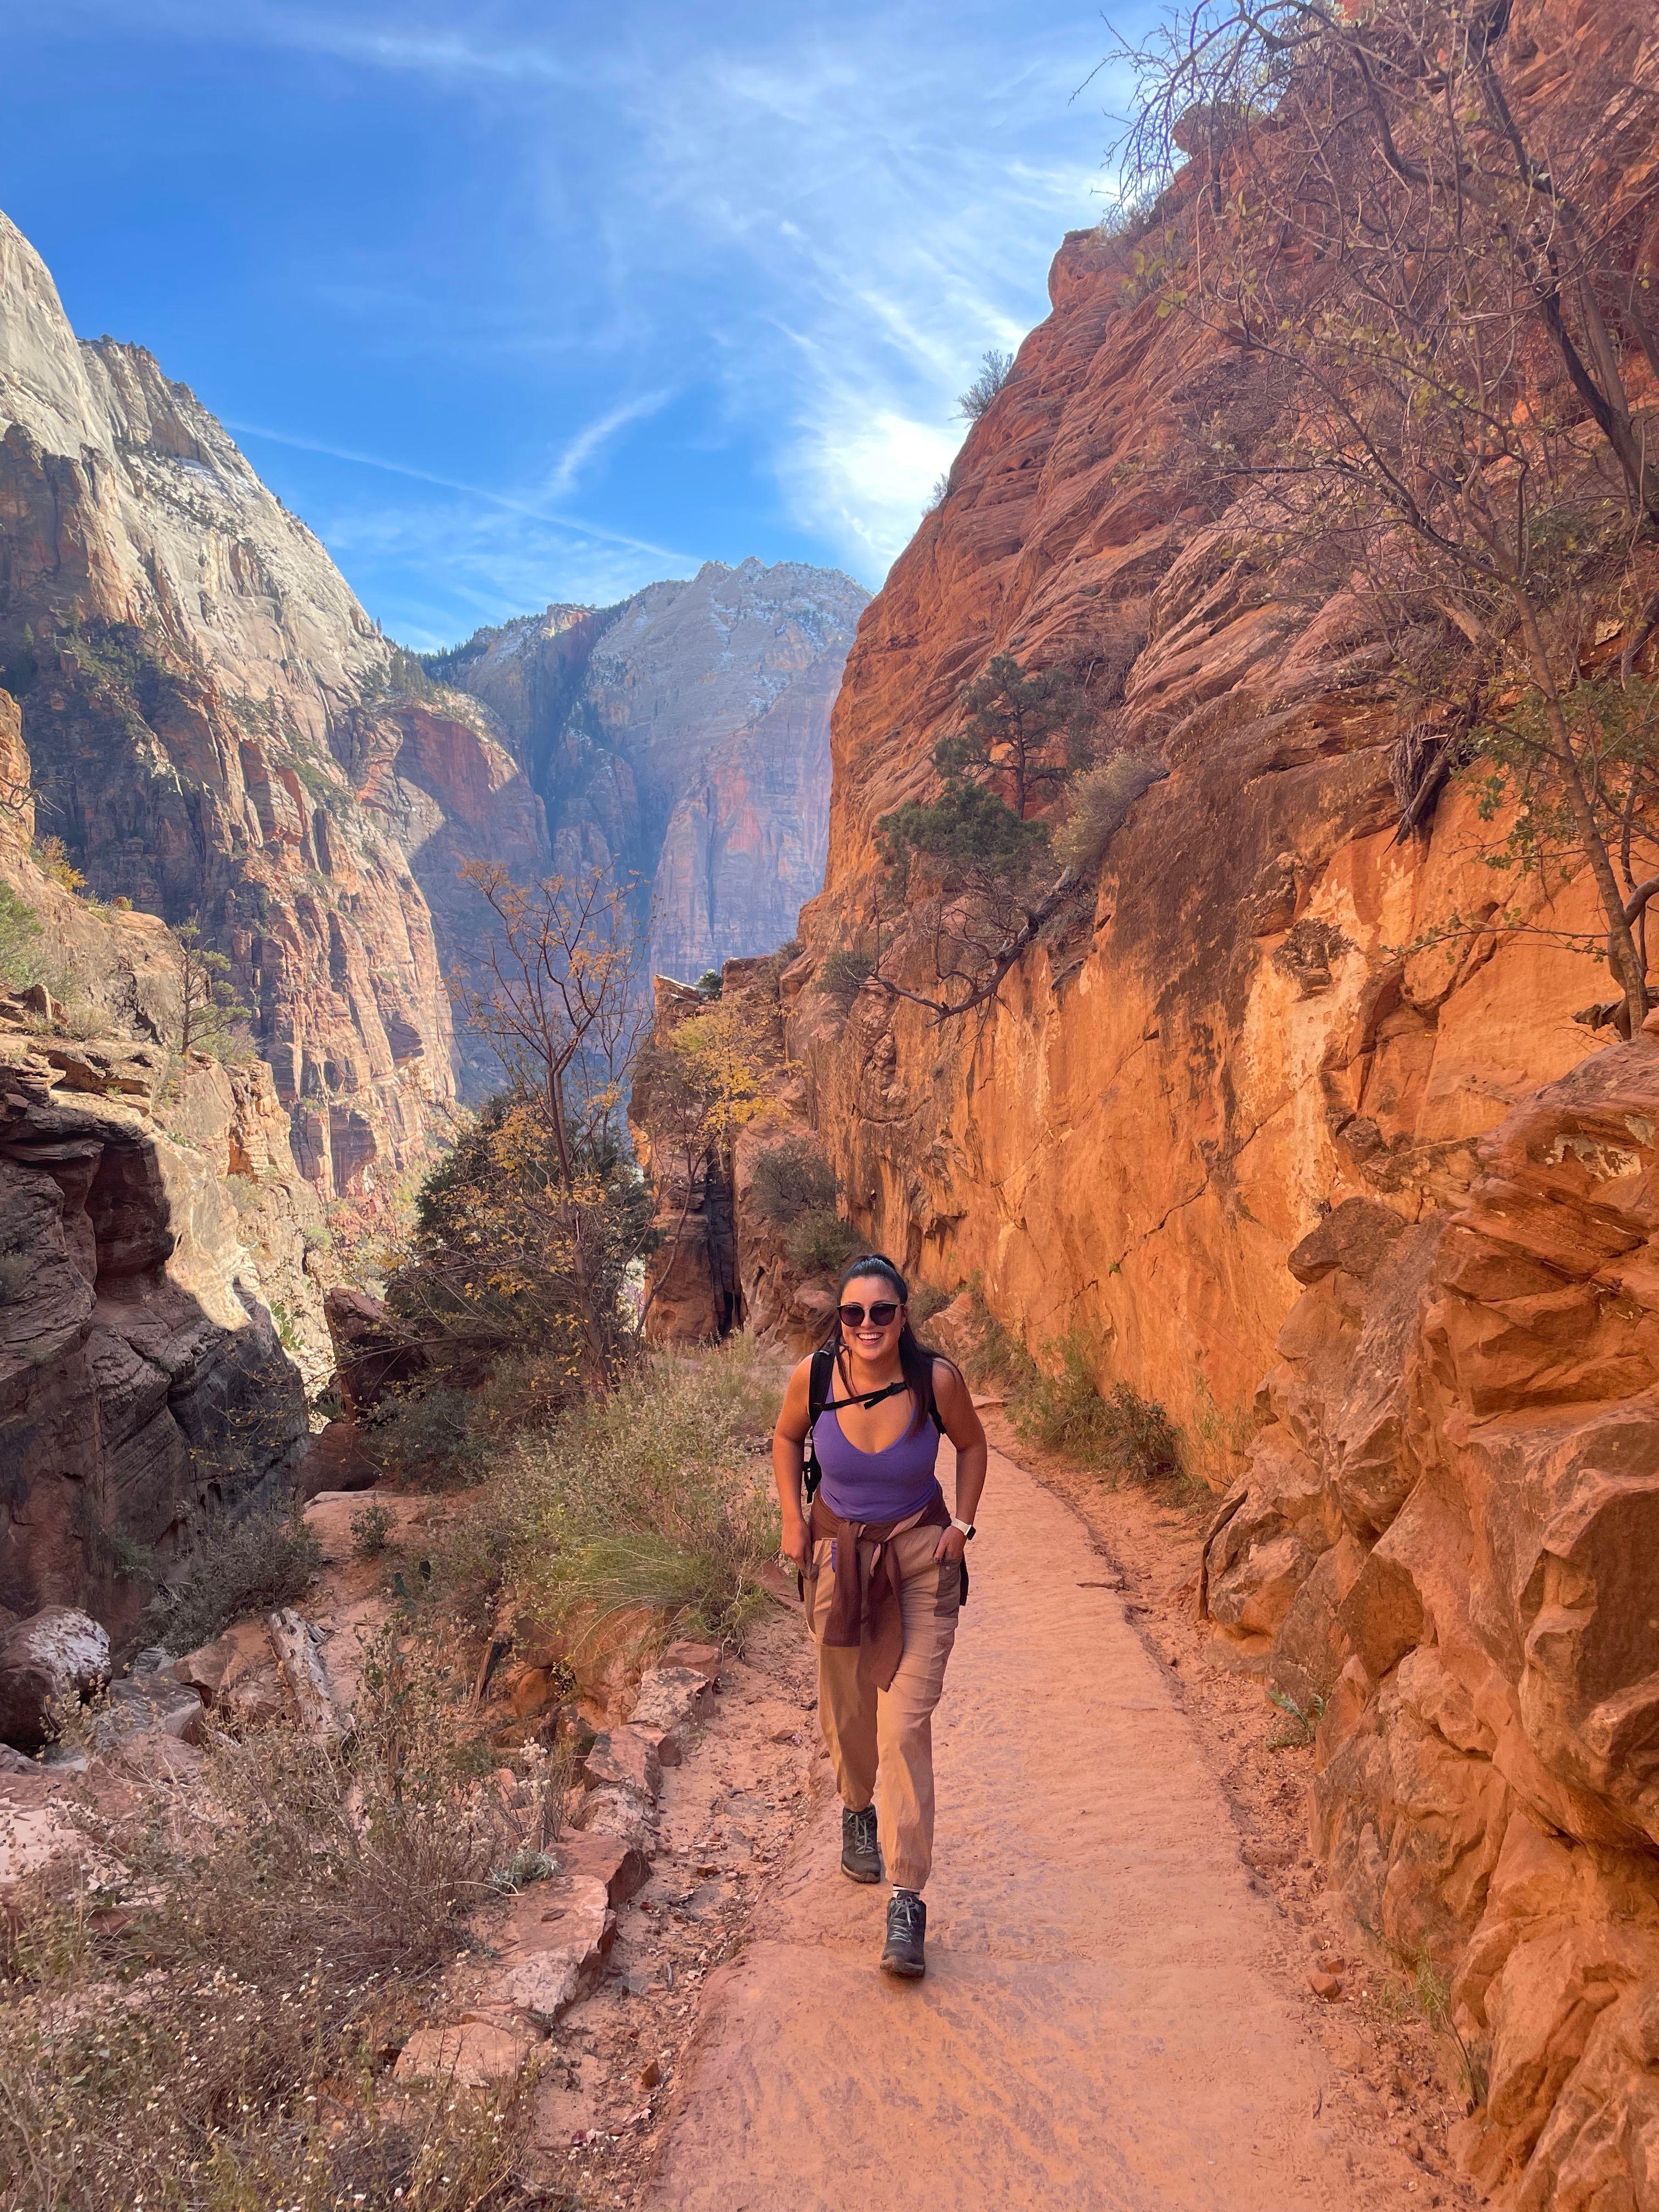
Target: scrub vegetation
pixel 657 1495
pixel 204 2016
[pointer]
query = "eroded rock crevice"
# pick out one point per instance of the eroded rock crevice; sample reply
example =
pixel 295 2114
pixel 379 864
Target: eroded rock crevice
pixel 1447 1552
pixel 144 1383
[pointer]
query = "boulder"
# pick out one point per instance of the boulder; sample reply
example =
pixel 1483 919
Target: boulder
pixel 151 1703
pixel 703 1659
pixel 671 1698
pixel 471 2055
pixel 619 1814
pixel 554 1944
pixel 623 1757
pixel 372 1351
pixel 213 1670
pixel 56 1657
pixel 622 1867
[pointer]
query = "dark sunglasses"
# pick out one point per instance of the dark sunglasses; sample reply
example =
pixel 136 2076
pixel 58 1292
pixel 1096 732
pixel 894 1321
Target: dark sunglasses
pixel 880 1313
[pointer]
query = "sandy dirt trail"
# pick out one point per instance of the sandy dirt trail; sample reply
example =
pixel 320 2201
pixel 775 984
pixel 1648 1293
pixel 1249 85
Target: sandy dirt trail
pixel 1108 2018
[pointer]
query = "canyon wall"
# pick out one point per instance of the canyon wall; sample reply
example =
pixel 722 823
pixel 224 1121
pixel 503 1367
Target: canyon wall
pixel 217 730
pixel 1222 1035
pixel 1229 1117
pixel 160 1307
pixel 683 736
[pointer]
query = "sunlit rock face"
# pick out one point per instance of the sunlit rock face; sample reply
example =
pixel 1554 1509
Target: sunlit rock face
pixel 683 736
pixel 217 729
pixel 1229 1117
pixel 1221 1033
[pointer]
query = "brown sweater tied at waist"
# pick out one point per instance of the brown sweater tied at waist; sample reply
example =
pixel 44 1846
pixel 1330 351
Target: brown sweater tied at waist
pixel 873 1613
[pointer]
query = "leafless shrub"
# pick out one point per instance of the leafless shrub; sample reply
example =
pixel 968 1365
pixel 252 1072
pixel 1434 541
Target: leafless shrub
pixel 994 371
pixel 1098 805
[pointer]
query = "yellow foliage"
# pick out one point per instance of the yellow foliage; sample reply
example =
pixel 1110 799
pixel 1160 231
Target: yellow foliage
pixel 52 856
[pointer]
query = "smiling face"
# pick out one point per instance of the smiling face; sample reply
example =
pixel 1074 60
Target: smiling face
pixel 872 1341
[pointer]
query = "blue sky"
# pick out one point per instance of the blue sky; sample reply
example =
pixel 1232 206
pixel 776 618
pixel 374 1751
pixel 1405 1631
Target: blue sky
pixel 515 303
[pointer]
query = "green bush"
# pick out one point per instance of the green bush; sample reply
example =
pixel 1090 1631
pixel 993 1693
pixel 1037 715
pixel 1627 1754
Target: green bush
pixel 820 1243
pixel 1121 1433
pixel 925 1301
pixel 252 1563
pixel 965 827
pixel 845 973
pixel 791 1179
pixel 18 926
pixel 995 1357
pixel 428 1435
pixel 371 1530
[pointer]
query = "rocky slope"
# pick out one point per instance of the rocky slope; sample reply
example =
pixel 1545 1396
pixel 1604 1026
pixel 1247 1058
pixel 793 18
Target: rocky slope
pixel 217 729
pixel 683 736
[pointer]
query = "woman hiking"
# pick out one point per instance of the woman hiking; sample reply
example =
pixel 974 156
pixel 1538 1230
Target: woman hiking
pixel 880 1561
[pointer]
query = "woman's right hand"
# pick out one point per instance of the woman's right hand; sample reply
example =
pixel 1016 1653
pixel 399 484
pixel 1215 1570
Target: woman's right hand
pixel 797 1544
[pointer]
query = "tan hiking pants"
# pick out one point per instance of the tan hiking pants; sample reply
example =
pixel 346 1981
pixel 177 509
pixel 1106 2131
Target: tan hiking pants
pixel 881 1741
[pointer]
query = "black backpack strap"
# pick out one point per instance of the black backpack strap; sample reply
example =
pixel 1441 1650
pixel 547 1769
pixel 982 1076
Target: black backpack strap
pixel 820 1382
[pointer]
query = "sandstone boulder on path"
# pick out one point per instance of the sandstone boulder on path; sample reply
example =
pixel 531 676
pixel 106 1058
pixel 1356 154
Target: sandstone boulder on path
pixel 57 1655
pixel 372 1351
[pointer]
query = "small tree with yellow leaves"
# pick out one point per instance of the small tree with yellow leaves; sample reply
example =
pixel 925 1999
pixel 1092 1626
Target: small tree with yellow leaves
pixel 554 993
pixel 697 1088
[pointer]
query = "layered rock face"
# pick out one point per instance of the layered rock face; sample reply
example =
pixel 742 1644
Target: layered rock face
pixel 1221 1034
pixel 217 730
pixel 683 738
pixel 153 1220
pixel 1448 1552
pixel 162 1320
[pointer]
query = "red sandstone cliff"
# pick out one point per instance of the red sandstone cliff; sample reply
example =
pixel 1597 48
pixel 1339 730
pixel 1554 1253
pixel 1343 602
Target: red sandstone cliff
pixel 1219 1124
pixel 1219 1042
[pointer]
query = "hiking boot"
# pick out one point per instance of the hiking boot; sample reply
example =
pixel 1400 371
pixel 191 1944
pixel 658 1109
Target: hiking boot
pixel 860 1854
pixel 907 1931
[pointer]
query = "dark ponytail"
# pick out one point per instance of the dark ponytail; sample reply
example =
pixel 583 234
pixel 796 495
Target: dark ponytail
pixel 915 1358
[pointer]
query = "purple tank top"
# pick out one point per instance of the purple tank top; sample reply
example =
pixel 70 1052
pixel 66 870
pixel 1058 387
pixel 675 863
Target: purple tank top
pixel 884 1486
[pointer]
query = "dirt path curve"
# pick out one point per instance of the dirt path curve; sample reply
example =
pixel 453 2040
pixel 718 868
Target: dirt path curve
pixel 1107 2020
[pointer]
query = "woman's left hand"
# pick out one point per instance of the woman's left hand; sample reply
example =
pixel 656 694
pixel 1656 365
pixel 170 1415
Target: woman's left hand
pixel 952 1544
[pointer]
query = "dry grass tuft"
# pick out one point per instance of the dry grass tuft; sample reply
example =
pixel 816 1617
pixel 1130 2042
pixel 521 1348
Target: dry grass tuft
pixel 206 2026
pixel 659 1495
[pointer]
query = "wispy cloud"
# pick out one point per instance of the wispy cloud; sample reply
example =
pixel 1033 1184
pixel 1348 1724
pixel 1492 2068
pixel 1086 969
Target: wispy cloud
pixel 881 208
pixel 561 480
pixel 804 225
pixel 587 441
pixel 436 570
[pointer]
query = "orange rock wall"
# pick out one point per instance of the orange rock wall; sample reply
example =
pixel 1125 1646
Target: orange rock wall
pixel 1220 1122
pixel 1446 1553
pixel 1219 1042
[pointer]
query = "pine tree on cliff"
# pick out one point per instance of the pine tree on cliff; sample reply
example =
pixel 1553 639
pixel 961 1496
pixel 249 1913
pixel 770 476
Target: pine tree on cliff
pixel 1023 734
